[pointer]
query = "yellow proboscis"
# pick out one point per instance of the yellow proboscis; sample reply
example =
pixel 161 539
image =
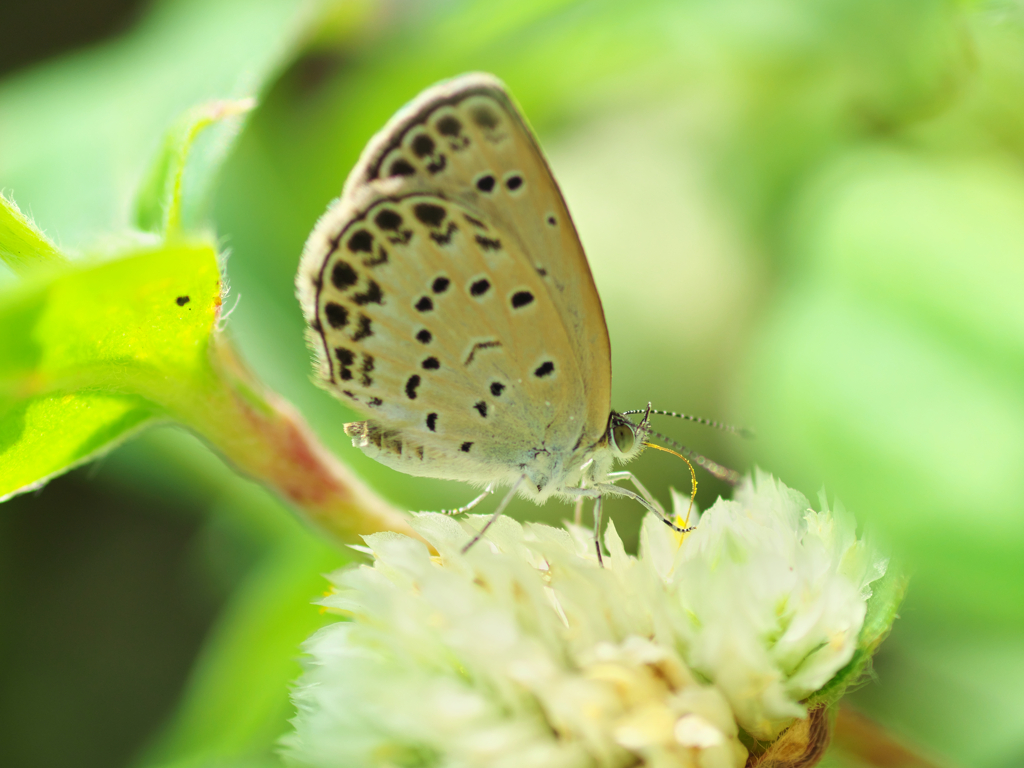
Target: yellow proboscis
pixel 693 478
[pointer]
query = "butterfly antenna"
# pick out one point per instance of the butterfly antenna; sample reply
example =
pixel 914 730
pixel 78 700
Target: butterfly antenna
pixel 711 466
pixel 741 431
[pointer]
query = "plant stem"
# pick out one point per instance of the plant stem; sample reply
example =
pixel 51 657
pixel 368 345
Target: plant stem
pixel 264 437
pixel 870 743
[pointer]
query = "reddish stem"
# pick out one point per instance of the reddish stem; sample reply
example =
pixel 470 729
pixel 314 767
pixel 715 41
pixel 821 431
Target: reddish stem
pixel 264 437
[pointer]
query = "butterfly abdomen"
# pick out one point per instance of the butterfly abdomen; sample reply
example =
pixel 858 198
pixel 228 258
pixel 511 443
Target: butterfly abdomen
pixel 386 445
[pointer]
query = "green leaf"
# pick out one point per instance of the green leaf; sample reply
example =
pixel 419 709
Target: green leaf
pixel 22 245
pixel 89 355
pixel 158 207
pixel 79 132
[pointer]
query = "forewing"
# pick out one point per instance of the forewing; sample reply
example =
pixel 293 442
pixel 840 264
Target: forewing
pixel 466 140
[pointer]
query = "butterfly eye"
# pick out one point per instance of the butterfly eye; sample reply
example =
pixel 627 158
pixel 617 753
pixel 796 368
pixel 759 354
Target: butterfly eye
pixel 623 438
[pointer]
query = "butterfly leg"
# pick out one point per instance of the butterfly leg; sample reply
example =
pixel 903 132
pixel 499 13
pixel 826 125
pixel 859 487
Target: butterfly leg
pixel 627 475
pixel 614 477
pixel 597 529
pixel 497 513
pixel 582 493
pixel 577 513
pixel 614 490
pixel 458 511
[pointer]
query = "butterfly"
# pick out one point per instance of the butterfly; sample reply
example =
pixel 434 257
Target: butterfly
pixel 449 299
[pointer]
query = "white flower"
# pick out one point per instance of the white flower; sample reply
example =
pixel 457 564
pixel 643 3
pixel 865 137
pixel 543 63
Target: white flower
pixel 526 652
pixel 770 598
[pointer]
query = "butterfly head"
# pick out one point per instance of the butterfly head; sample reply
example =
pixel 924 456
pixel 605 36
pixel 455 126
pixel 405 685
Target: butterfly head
pixel 626 437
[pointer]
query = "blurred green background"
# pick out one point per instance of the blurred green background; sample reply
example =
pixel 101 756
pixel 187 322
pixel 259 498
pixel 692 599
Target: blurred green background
pixel 803 217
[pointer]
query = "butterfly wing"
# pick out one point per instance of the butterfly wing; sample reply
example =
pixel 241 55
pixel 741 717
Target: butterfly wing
pixel 449 296
pixel 466 139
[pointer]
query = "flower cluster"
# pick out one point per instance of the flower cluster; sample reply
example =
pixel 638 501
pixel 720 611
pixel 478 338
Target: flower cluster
pixel 525 651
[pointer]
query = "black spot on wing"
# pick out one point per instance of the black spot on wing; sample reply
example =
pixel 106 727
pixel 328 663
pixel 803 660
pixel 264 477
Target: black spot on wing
pixel 431 364
pixel 445 237
pixel 391 223
pixel 423 145
pixel 345 360
pixel 479 346
pixel 361 241
pixel 440 285
pixel 181 301
pixel 401 167
pixel 364 329
pixel 521 299
pixel 432 422
pixel 449 126
pixel 366 368
pixel 343 276
pixel 424 148
pixel 488 243
pixel 480 287
pixel 465 447
pixel 485 117
pixel 411 386
pixel 425 304
pixel 544 369
pixel 337 315
pixel 430 214
pixel 485 183
pixel 514 182
pixel 424 336
pixel 372 295
pixel 497 388
pixel 434 217
pixel 481 408
pixel 388 219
